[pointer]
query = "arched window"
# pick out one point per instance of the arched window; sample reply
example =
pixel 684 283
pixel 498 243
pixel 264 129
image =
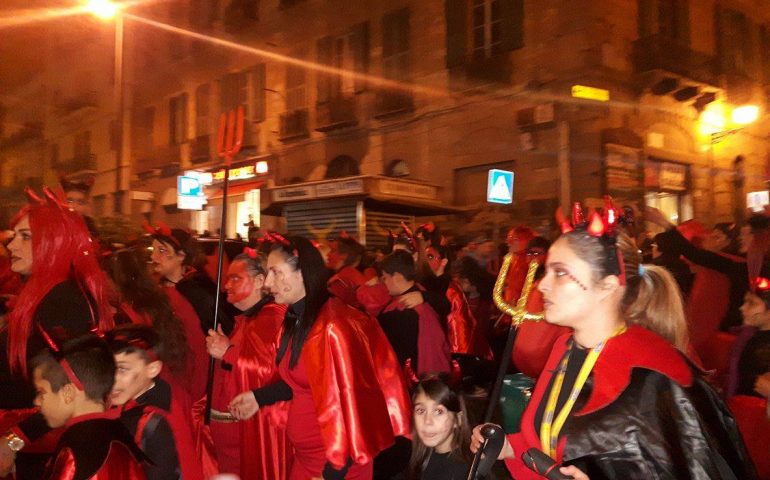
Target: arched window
pixel 342 166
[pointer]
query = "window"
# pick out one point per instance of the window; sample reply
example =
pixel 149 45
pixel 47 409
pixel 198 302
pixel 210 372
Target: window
pixel 233 91
pixel 143 131
pixel 764 44
pixel 669 19
pixel 482 29
pixel 486 28
pixel 349 52
pixel 257 110
pixel 295 88
pixel 733 41
pixel 202 99
pixel 395 45
pixel 177 119
pixel 342 166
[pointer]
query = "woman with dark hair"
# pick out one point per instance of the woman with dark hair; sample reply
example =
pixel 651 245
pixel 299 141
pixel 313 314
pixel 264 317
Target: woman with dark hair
pixel 253 448
pixel 141 301
pixel 348 396
pixel 178 259
pixel 617 398
pixel 441 434
pixel 65 295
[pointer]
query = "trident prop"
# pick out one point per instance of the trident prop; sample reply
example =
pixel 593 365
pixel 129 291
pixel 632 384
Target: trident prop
pixel 229 144
pixel 518 314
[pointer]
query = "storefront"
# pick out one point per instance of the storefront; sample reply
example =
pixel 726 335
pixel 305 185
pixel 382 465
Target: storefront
pixel 667 188
pixel 368 207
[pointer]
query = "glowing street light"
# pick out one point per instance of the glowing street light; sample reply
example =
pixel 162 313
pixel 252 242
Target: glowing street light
pixel 745 114
pixel 103 9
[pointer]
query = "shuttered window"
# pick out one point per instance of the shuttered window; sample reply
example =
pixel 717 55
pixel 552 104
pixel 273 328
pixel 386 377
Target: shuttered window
pixel 480 29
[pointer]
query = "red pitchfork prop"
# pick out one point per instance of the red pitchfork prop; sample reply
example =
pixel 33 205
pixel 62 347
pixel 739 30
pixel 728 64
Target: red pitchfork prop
pixel 229 142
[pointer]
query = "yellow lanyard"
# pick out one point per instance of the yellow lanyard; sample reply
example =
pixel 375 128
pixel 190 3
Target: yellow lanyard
pixel 550 428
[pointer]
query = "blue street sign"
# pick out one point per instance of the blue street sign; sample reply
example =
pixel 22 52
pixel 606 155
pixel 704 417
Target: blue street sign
pixel 190 194
pixel 500 186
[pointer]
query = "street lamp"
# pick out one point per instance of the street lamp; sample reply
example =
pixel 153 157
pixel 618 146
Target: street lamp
pixel 108 10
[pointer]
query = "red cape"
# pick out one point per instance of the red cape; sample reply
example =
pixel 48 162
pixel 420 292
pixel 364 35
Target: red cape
pixel 636 347
pixel 264 449
pixel 197 356
pixel 433 353
pixel 357 384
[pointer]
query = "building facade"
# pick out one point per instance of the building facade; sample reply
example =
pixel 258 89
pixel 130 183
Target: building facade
pixel 580 99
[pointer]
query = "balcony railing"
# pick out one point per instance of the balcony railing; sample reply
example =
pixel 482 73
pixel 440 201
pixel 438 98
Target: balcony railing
pixel 78 163
pixel 339 112
pixel 657 52
pixel 294 125
pixel 388 104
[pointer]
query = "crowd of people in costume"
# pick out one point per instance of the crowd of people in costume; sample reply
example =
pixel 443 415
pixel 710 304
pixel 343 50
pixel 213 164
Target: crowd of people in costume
pixel 323 360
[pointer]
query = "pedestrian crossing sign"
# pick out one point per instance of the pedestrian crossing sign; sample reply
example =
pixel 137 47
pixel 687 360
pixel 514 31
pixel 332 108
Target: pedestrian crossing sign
pixel 500 186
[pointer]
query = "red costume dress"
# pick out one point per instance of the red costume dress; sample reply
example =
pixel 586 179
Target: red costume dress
pixel 349 397
pixel 345 283
pixel 644 412
pixel 97 448
pixel 256 448
pixel 467 334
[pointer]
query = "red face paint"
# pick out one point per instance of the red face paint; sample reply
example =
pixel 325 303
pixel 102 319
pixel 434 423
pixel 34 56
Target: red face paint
pixel 434 259
pixel 239 283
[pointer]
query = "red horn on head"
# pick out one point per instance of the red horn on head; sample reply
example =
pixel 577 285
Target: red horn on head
pixel 148 228
pixel 577 214
pixel 51 198
pixel 250 252
pixel 344 234
pixel 564 225
pixel 32 196
pixel 164 229
pixel 596 228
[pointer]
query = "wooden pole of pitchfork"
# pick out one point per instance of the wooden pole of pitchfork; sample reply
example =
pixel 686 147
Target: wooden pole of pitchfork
pixel 229 142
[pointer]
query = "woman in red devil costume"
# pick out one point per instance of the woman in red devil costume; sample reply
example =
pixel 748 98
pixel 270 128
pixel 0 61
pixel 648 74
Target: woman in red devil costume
pixel 65 295
pixel 257 447
pixel 617 398
pixel 142 301
pixel 348 395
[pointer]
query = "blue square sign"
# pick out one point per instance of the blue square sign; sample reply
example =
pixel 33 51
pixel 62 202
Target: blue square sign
pixel 500 186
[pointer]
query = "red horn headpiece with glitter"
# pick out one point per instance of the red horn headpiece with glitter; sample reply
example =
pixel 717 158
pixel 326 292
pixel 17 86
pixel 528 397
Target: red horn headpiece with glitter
pixel 603 227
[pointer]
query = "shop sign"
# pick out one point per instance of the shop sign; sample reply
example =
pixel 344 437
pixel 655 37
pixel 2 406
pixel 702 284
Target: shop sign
pixel 672 176
pixel 294 193
pixel 239 173
pixel 345 187
pixel 590 93
pixel 622 170
pixel 405 189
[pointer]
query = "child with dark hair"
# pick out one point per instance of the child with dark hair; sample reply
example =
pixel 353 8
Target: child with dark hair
pixel 750 357
pixel 72 390
pixel 415 333
pixel 343 259
pixel 145 401
pixel 440 434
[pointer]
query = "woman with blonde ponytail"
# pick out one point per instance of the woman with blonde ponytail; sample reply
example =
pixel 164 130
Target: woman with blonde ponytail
pixel 617 398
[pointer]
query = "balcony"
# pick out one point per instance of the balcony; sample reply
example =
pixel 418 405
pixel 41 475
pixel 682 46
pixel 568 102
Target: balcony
pixel 391 104
pixel 200 149
pixel 294 125
pixel 339 112
pixel 660 53
pixel 79 163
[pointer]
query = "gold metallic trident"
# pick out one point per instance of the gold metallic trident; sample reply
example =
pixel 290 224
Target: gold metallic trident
pixel 518 313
